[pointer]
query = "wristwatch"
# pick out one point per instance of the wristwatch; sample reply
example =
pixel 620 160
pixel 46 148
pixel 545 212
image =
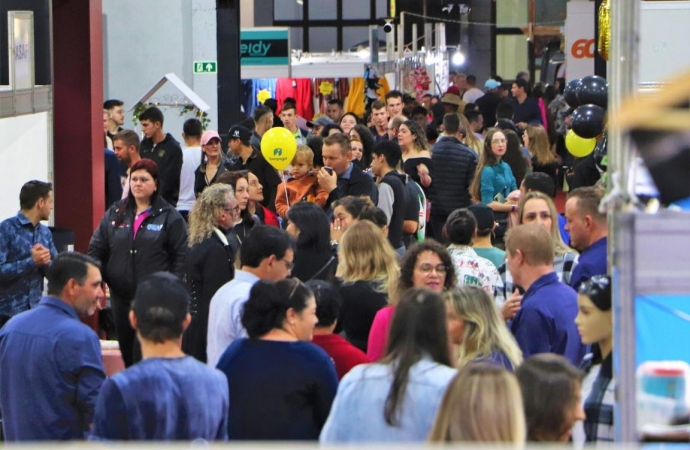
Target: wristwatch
pixel 512 208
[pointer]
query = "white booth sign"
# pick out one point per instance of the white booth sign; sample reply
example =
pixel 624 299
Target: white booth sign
pixel 21 49
pixel 580 43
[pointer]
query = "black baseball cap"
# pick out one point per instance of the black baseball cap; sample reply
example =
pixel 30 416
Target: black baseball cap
pixel 240 132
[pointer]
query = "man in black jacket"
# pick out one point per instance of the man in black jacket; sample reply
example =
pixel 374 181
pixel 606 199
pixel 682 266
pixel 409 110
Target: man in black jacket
pixel 454 166
pixel 339 177
pixel 164 150
pixel 393 195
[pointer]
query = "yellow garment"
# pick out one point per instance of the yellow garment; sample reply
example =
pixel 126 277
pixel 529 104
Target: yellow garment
pixel 355 99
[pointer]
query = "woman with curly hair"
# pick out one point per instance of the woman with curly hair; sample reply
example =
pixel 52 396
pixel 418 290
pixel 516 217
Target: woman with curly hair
pixel 363 133
pixel 210 259
pixel 426 264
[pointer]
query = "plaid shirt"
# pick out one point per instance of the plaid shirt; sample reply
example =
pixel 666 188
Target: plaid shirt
pixel 598 397
pixel 563 265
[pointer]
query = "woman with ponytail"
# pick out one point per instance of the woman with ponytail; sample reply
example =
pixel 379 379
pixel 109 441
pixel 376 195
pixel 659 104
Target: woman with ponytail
pixel 281 385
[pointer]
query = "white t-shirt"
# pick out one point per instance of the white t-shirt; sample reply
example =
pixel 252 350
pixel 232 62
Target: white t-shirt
pixel 472 95
pixel 191 159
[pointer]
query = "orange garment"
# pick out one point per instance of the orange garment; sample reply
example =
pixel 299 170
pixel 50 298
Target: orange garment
pixel 304 189
pixel 355 100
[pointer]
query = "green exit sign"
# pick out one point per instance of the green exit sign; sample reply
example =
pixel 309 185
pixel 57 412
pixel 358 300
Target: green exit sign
pixel 205 67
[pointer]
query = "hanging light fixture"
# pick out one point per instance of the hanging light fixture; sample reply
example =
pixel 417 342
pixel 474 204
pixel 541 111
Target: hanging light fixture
pixel 458 58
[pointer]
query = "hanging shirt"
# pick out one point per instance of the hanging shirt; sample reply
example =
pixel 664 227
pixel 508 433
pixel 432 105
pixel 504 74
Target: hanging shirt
pixel 356 98
pixel 301 90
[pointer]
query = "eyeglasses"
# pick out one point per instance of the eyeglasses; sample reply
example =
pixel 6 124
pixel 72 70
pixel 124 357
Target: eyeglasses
pixel 428 268
pixel 288 264
pixel 235 210
pixel 595 286
pixel 498 141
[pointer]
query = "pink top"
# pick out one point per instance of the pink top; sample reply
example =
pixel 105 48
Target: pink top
pixel 138 220
pixel 378 335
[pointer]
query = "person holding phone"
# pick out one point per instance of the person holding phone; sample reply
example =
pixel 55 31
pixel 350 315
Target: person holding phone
pixel 344 178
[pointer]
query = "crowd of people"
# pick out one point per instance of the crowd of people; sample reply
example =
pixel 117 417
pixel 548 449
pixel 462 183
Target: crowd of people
pixel 409 279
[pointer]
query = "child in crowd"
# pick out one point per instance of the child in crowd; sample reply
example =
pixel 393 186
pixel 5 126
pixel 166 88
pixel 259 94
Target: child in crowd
pixel 302 185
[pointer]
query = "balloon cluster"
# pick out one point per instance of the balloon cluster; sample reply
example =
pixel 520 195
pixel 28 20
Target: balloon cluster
pixel 589 97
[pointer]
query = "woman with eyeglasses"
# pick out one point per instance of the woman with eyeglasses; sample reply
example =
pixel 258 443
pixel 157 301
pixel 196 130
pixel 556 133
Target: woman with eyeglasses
pixel 537 207
pixel 281 384
pixel 213 162
pixel 426 264
pixel 210 259
pixel 595 323
pixel 396 399
pixel 476 327
pixel 137 237
pixel 494 180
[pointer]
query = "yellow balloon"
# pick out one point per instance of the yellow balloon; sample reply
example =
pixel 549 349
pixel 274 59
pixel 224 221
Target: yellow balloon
pixel 278 145
pixel 578 146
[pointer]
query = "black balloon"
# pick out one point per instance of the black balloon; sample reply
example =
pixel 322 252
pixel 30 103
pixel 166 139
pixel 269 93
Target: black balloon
pixel 593 90
pixel 588 121
pixel 600 152
pixel 570 93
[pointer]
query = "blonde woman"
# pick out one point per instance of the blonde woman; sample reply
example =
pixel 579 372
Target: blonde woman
pixel 209 259
pixel 543 159
pixel 470 140
pixel 367 268
pixel 483 403
pixel 537 207
pixel 475 326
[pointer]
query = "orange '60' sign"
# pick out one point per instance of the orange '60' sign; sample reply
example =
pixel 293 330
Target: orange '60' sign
pixel 583 48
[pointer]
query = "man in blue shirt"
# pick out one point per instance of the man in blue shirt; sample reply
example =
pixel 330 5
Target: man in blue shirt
pixel 588 233
pixel 168 395
pixel 26 249
pixel 268 253
pixel 51 367
pixel 545 322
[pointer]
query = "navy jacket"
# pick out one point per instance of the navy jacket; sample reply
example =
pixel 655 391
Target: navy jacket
pixel 359 184
pixel 454 166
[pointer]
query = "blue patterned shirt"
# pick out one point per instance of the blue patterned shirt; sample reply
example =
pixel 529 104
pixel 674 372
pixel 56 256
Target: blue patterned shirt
pixel 21 280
